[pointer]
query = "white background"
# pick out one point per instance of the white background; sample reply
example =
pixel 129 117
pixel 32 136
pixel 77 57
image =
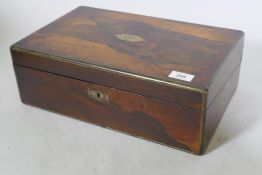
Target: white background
pixel 37 142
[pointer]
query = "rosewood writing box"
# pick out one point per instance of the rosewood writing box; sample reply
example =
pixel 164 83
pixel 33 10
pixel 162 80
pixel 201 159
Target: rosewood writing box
pixel 163 80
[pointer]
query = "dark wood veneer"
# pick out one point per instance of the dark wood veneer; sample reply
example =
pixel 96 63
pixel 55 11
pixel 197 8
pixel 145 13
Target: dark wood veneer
pixel 111 69
pixel 127 112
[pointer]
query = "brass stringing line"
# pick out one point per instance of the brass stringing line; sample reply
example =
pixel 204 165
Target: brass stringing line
pixel 203 120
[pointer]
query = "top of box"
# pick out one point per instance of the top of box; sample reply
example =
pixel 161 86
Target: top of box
pixel 158 49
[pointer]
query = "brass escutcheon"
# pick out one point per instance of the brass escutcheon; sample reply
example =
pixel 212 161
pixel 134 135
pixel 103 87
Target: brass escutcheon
pixel 96 95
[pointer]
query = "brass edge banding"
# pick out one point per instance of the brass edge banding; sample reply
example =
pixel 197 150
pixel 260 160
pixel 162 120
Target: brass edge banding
pixel 63 59
pixel 203 122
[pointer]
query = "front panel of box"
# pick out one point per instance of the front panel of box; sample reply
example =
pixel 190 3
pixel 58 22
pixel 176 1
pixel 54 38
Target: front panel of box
pixel 156 120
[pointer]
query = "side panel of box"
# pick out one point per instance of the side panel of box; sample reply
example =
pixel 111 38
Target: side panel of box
pixel 217 108
pixel 159 121
pixel 225 70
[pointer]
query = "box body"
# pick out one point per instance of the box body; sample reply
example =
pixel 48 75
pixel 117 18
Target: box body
pixel 113 69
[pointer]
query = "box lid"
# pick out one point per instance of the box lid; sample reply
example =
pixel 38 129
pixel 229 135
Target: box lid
pixel 165 59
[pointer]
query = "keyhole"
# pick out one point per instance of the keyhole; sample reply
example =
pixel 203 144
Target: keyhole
pixel 98 95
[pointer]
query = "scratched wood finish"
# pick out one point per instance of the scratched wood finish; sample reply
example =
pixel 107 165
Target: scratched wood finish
pixel 129 57
pixel 140 116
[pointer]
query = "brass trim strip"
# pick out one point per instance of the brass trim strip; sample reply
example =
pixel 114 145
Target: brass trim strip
pixel 66 60
pixel 203 123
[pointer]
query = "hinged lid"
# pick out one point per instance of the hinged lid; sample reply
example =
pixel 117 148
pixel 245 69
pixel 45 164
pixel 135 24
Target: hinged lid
pixel 163 59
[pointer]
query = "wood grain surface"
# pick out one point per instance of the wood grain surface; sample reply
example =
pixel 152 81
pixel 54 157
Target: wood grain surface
pixel 125 60
pixel 159 121
pixel 88 35
pixel 185 97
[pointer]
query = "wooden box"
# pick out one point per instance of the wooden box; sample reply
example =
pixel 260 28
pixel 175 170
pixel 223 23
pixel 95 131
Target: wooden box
pixel 162 80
